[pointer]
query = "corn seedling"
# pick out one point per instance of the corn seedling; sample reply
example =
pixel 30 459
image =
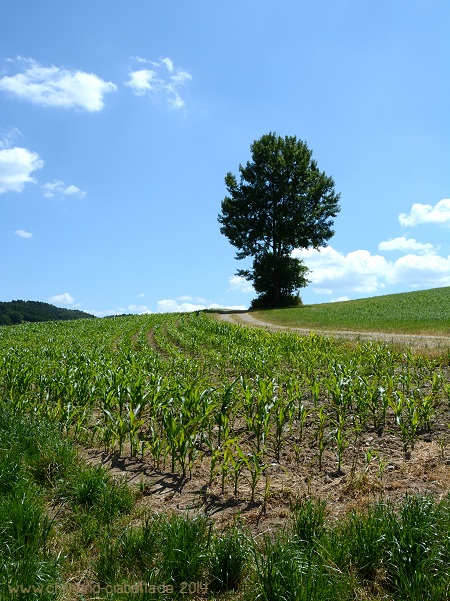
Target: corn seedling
pixel 320 434
pixel 341 442
pixel 253 463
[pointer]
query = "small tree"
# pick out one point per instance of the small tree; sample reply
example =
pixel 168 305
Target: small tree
pixel 281 202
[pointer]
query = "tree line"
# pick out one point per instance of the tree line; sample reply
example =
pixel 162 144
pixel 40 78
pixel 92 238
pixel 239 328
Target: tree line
pixel 19 311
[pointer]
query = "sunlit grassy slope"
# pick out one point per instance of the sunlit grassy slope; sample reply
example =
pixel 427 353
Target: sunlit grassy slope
pixel 424 311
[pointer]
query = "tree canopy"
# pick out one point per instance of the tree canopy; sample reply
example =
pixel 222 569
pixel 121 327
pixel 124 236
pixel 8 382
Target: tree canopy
pixel 281 202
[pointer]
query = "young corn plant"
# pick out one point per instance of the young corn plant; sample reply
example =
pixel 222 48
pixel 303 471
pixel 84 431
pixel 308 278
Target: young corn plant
pixel 341 442
pixel 236 463
pixel 223 413
pixel 258 407
pixel 407 419
pixel 339 393
pixel 281 416
pixel 315 392
pixel 426 409
pixel 320 434
pixel 253 462
pixel 156 445
pixel 412 420
pixel 298 409
pixel 121 427
pixel 135 425
pixel 174 436
pixel 228 461
pixel 216 458
pixel 303 413
pixel 377 401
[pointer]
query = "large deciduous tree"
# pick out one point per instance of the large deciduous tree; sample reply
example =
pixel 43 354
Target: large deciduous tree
pixel 282 202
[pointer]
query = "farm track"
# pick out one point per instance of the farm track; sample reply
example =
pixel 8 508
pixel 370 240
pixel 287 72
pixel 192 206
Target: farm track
pixel 417 342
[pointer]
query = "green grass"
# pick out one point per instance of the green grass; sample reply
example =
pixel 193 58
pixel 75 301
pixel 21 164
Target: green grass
pixel 420 312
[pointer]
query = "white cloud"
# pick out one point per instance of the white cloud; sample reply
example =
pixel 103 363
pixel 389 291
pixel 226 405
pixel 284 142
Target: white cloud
pixel 136 309
pixel 330 270
pixel 175 306
pixel 406 245
pixel 163 80
pixel 73 190
pixel 62 299
pixel 106 313
pixel 23 234
pixel 419 271
pixel 195 299
pixel 424 213
pixel 142 80
pixel 361 272
pixel 59 187
pixel 58 87
pixel 240 284
pixel 16 166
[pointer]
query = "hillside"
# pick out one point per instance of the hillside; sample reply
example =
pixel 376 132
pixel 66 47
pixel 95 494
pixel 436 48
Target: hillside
pixel 419 312
pixel 18 311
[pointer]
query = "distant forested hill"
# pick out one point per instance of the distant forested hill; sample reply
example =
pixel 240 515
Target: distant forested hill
pixel 18 311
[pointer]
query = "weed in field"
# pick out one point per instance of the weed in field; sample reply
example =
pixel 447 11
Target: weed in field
pixel 184 542
pixel 308 523
pixel 25 528
pixel 283 571
pixel 228 558
pixel 93 489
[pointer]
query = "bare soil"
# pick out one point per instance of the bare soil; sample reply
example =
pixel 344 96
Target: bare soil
pixel 390 476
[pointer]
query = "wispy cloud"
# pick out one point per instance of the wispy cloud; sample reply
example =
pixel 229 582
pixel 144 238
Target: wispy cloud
pixel 8 137
pixel 161 79
pixel 425 213
pixel 23 234
pixel 240 284
pixel 16 167
pixel 57 187
pixel 57 87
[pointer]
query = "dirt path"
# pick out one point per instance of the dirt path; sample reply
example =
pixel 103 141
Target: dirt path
pixel 417 341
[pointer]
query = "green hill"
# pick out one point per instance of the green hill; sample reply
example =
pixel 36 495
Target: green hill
pixel 18 311
pixel 423 311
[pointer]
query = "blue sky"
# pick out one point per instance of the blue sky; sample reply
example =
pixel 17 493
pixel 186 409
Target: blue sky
pixel 119 121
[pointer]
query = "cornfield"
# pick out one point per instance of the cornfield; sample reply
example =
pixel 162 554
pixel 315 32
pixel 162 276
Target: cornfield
pixel 184 389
